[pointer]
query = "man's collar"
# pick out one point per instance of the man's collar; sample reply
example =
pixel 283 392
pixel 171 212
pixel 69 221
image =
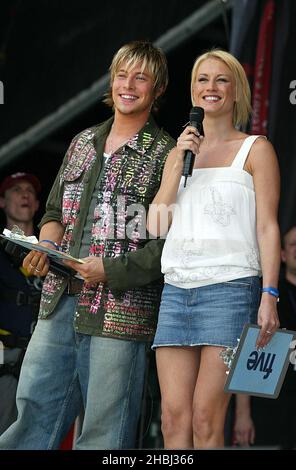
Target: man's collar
pixel 143 140
pixel 140 142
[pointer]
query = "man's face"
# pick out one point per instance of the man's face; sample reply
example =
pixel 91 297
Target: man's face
pixel 19 202
pixel 289 251
pixel 132 90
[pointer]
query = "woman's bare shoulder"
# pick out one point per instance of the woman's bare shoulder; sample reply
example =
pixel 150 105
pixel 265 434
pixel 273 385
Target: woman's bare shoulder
pixel 262 144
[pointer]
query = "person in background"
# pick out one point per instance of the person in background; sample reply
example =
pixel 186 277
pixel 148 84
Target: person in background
pixel 89 346
pixel 263 421
pixel 19 290
pixel 223 235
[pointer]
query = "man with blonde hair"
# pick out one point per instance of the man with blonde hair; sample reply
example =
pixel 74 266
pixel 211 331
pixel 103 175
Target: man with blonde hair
pixel 89 345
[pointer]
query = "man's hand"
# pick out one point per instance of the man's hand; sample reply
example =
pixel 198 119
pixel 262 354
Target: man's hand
pixel 243 428
pixel 92 270
pixel 36 263
pixel 244 431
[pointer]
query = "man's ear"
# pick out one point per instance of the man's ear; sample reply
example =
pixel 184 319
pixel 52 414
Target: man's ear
pixel 2 202
pixel 159 92
pixel 37 204
pixel 283 256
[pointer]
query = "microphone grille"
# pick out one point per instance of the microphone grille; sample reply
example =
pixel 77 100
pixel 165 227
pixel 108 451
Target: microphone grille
pixel 196 114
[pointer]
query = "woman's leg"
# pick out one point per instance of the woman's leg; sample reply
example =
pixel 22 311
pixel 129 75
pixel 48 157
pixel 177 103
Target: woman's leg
pixel 210 401
pixel 177 369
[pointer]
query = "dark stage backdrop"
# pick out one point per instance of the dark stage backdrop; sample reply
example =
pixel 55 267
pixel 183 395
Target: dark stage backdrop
pixel 53 49
pixel 50 50
pixel 263 39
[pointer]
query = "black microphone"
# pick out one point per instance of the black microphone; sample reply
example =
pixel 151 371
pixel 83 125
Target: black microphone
pixel 196 117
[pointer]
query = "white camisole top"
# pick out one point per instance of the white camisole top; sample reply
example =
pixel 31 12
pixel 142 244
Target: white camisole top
pixel 212 237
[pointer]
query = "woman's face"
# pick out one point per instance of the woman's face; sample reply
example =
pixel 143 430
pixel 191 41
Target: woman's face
pixel 214 87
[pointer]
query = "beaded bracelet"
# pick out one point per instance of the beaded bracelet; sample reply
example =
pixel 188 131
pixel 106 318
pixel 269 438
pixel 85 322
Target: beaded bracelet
pixel 54 244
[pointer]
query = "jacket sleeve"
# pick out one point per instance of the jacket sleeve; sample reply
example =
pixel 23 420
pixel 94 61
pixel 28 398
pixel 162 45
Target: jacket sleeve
pixel 53 210
pixel 53 203
pixel 135 269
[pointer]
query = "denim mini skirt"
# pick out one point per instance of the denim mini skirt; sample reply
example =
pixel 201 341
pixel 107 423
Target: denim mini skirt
pixel 208 315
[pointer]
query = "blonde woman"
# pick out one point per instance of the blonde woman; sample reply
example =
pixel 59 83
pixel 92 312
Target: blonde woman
pixel 223 237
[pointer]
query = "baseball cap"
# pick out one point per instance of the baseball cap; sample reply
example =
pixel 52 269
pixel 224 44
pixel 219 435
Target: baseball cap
pixel 11 180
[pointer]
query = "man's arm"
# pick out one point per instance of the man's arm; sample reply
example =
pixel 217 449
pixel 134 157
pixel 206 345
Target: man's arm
pixel 136 268
pixel 243 429
pixel 130 270
pixel 51 228
pixel 35 262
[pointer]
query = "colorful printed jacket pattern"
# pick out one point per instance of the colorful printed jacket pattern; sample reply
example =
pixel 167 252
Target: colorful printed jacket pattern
pixel 129 183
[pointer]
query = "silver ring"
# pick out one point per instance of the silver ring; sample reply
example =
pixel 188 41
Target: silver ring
pixel 38 270
pixel 31 266
pixel 269 332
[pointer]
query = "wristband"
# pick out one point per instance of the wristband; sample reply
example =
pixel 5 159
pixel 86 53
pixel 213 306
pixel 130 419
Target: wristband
pixel 272 291
pixel 54 244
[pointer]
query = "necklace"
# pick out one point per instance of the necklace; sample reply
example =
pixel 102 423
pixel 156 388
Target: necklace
pixel 111 146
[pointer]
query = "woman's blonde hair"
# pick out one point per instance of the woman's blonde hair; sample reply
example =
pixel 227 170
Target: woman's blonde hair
pixel 242 105
pixel 153 60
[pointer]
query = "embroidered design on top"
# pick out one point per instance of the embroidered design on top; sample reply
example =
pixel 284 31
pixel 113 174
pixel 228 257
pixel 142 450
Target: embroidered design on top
pixel 189 250
pixel 199 274
pixel 219 211
pixel 252 259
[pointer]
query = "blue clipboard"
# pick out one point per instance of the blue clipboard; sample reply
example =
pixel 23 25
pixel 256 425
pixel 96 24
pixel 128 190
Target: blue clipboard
pixel 58 256
pixel 260 373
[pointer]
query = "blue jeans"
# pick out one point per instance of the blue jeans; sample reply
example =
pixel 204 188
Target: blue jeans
pixel 63 372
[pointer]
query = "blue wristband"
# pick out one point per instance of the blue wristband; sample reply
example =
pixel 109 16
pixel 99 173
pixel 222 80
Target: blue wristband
pixel 272 291
pixel 54 244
